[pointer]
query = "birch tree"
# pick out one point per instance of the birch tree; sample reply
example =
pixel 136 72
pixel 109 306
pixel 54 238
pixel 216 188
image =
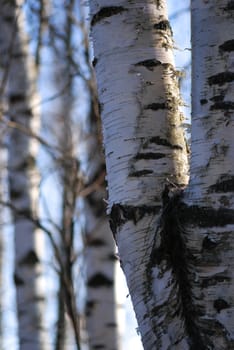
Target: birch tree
pixel 23 175
pixel 174 240
pixel 100 257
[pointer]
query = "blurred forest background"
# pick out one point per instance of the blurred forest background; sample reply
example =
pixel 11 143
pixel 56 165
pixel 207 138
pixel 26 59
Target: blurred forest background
pixel 61 286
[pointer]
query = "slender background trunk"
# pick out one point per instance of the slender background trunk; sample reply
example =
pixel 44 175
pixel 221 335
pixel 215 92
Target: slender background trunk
pixel 23 178
pixel 100 257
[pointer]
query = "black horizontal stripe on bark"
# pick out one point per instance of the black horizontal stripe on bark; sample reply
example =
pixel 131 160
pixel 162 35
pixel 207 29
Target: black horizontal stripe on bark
pixel 106 12
pixel 120 214
pixel 223 185
pixel 221 78
pixel 205 216
pixel 222 105
pixel 162 142
pixel 149 155
pixel 149 64
pixel 99 280
pixel 227 46
pixel 155 106
pixel 140 173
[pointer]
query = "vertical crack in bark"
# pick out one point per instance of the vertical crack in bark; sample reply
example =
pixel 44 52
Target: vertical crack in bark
pixel 173 250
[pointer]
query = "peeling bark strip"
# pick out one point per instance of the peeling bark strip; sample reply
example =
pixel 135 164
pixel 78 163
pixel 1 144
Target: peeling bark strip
pixel 106 12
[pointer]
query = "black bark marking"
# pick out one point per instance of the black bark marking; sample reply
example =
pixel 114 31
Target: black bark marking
pixel 208 243
pixel 220 304
pixel 163 142
pixel 225 105
pixel 221 78
pixel 99 346
pixel 120 214
pixel 227 46
pixel 112 257
pixel 18 280
pixel 224 184
pixel 100 107
pixel 141 173
pixel 89 308
pixel 217 98
pixel 111 325
pixel 15 193
pixel 9 18
pixel 149 64
pixel 97 242
pixel 16 98
pixel 95 61
pixel 173 250
pixel 156 106
pixel 106 12
pixel 203 101
pixel 30 259
pixel 206 216
pixel 212 281
pixel 149 155
pixel 99 280
pixel 230 6
pixel 163 25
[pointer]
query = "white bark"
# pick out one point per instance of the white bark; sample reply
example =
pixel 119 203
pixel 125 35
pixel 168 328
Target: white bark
pixel 145 151
pixel 207 214
pixel 23 178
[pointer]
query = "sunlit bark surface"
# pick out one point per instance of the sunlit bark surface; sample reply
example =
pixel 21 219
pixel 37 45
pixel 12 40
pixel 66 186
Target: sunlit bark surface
pixel 145 155
pixel 23 176
pixel 207 213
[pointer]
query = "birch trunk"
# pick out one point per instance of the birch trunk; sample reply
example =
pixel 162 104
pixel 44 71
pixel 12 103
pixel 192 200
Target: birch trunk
pixel 145 153
pixel 100 257
pixel 207 212
pixel 23 177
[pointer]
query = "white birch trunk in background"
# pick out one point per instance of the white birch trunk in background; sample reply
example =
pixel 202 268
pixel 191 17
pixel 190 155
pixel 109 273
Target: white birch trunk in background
pixel 100 257
pixel 23 178
pixel 145 152
pixel 208 211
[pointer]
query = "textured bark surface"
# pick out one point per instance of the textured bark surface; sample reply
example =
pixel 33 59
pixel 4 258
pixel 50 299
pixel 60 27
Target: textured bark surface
pixel 208 210
pixel 23 177
pixel 145 154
